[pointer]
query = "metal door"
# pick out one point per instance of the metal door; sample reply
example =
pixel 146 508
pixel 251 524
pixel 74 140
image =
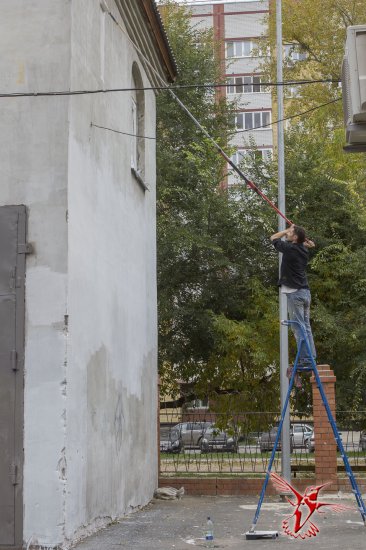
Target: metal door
pixel 12 274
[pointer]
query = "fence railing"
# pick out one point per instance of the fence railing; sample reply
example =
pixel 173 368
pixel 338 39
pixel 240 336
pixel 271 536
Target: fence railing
pixel 194 442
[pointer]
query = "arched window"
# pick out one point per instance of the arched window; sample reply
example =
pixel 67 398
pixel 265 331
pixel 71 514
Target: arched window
pixel 138 126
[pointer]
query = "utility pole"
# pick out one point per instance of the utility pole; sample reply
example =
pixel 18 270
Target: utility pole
pixel 285 441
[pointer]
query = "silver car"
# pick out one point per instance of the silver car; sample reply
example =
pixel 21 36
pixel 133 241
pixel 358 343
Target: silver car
pixel 363 440
pixel 310 442
pixel 191 433
pixel 268 439
pixel 300 433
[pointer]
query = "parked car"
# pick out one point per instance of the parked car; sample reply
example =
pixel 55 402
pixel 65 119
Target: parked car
pixel 215 439
pixel 363 440
pixel 191 433
pixel 171 443
pixel 300 433
pixel 267 440
pixel 310 442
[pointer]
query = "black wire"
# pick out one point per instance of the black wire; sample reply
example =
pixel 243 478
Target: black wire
pixel 289 117
pixel 157 88
pixel 237 132
pixel 118 131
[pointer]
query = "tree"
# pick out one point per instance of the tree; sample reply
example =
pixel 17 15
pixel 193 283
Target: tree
pixel 217 272
pixel 317 30
pixel 217 317
pixel 325 187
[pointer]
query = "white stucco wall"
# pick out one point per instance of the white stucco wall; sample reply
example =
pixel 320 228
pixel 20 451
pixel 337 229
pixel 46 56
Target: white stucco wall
pixel 35 56
pixel 90 393
pixel 112 385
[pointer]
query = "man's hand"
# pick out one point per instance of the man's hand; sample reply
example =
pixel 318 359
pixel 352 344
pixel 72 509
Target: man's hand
pixel 309 243
pixel 281 234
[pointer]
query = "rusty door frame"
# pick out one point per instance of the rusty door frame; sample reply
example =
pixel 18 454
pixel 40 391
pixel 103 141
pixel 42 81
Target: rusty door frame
pixel 20 348
pixel 18 367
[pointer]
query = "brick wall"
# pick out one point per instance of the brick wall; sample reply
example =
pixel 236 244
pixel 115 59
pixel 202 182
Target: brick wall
pixel 325 445
pixel 247 486
pixel 325 456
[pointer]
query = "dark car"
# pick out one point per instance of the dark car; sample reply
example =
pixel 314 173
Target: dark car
pixel 171 443
pixel 267 441
pixel 215 439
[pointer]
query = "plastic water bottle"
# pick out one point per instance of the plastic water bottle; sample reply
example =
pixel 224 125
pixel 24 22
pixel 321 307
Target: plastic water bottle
pixel 209 535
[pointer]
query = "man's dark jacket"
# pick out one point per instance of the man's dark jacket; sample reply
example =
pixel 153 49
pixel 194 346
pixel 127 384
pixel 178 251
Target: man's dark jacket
pixel 294 261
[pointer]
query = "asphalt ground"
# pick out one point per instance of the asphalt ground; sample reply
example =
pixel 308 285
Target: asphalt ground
pixel 180 524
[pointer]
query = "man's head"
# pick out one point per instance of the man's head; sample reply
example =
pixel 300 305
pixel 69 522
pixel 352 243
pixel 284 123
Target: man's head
pixel 296 234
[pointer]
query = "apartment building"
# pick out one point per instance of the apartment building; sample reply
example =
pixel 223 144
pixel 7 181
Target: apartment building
pixel 239 26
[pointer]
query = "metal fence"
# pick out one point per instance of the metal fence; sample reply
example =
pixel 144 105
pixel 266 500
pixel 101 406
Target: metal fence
pixel 194 442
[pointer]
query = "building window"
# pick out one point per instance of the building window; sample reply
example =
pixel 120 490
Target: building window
pixel 264 154
pixel 244 84
pixel 253 120
pixel 292 91
pixel 239 156
pixel 197 404
pixel 240 48
pixel 293 53
pixel 137 107
pixel 134 130
pixel 260 154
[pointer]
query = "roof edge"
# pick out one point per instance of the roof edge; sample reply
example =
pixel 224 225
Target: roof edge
pixel 154 18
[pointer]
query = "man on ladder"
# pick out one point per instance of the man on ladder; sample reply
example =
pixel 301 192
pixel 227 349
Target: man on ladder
pixel 293 282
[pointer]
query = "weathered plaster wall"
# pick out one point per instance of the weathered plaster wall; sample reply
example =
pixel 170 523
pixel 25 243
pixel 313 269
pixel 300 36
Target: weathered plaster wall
pixel 35 56
pixel 111 384
pixel 91 342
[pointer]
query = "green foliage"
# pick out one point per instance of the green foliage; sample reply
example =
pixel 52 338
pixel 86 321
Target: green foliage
pixel 217 314
pixel 217 272
pixel 326 187
pixel 317 29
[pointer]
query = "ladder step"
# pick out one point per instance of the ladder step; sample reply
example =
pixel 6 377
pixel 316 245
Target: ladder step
pixel 343 452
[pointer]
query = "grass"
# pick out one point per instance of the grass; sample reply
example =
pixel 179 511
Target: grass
pixel 248 463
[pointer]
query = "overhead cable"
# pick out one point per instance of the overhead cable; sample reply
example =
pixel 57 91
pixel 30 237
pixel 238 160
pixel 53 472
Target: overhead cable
pixel 160 88
pixel 119 132
pixel 249 183
pixel 289 117
pixel 238 131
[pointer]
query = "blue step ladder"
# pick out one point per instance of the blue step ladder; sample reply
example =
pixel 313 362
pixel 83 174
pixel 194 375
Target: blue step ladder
pixel 252 534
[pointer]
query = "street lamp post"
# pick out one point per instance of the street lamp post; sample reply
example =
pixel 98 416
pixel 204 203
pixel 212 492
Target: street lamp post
pixel 285 441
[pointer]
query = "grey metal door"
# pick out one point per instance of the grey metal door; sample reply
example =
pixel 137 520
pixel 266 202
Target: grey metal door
pixel 12 274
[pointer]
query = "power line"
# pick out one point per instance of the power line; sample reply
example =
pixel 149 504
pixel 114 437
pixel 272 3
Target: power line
pixel 161 88
pixel 249 183
pixel 119 132
pixel 290 117
pixel 239 131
